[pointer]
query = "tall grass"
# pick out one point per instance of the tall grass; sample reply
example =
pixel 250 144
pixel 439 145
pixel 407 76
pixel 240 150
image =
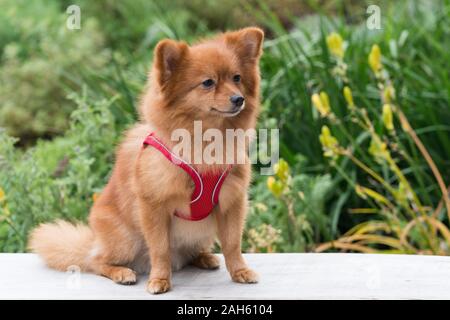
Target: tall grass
pixel 298 63
pixel 304 58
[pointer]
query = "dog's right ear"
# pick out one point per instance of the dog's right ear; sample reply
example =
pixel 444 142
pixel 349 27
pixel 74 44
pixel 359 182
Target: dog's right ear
pixel 168 56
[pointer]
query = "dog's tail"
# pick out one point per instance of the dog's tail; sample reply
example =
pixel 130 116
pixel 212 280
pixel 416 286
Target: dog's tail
pixel 62 244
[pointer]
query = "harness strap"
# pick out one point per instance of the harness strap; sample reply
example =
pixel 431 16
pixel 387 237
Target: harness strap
pixel 207 185
pixel 151 140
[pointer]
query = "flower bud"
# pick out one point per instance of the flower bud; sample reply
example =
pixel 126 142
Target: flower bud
pixel 375 58
pixel 349 97
pixel 282 170
pixel 335 44
pixel 329 143
pixel 387 117
pixel 321 103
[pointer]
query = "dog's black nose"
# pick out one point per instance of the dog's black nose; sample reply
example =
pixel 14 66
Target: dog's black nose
pixel 237 100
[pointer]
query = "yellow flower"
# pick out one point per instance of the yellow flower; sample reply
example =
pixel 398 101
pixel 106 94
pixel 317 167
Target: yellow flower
pixel 387 117
pixel 378 148
pixel 276 187
pixel 282 170
pixel 270 182
pixel 349 97
pixel 321 103
pixel 335 44
pixel 325 100
pixel 317 103
pixel 389 94
pixel 2 195
pixel 330 145
pixel 375 58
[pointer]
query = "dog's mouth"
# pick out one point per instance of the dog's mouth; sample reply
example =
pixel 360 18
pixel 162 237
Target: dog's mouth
pixel 229 113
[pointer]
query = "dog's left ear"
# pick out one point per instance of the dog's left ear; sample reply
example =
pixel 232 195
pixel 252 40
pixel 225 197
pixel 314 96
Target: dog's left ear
pixel 246 42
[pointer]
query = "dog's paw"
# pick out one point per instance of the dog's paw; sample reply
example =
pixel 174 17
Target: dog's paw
pixel 245 276
pixel 206 261
pixel 124 276
pixel 156 286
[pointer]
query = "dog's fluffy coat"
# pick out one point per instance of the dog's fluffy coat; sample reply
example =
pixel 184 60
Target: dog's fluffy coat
pixel 132 222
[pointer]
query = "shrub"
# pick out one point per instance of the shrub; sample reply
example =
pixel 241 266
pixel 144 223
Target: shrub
pixel 40 58
pixel 55 178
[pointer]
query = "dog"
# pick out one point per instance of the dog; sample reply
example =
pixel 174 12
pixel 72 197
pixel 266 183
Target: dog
pixel 142 220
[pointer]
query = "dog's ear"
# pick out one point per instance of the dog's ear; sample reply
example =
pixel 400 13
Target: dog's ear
pixel 168 56
pixel 246 42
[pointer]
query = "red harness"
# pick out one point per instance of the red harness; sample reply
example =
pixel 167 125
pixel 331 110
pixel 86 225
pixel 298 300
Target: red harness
pixel 207 185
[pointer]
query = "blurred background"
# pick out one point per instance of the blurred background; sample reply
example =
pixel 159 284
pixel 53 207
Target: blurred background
pixel 363 112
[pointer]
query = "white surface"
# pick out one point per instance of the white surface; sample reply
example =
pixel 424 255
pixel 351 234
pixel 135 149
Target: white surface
pixel 283 276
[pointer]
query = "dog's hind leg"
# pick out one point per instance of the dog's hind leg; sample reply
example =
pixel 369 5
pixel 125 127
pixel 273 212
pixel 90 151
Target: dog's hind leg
pixel 206 260
pixel 115 246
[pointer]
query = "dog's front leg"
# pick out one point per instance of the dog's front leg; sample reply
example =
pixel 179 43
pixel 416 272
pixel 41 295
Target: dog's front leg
pixel 156 227
pixel 230 227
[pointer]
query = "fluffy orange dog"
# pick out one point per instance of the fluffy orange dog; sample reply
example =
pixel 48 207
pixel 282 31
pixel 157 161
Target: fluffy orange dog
pixel 132 225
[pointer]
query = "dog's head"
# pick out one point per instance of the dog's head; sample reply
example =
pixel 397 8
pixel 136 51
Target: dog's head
pixel 216 79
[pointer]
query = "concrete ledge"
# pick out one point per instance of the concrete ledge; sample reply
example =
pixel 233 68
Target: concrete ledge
pixel 283 276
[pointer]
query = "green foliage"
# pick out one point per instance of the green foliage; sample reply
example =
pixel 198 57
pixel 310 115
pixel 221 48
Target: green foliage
pixel 55 178
pixel 294 205
pixel 40 58
pixel 136 26
pixel 42 64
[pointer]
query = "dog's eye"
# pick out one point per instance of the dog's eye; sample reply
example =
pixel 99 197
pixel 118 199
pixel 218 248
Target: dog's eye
pixel 208 83
pixel 237 78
